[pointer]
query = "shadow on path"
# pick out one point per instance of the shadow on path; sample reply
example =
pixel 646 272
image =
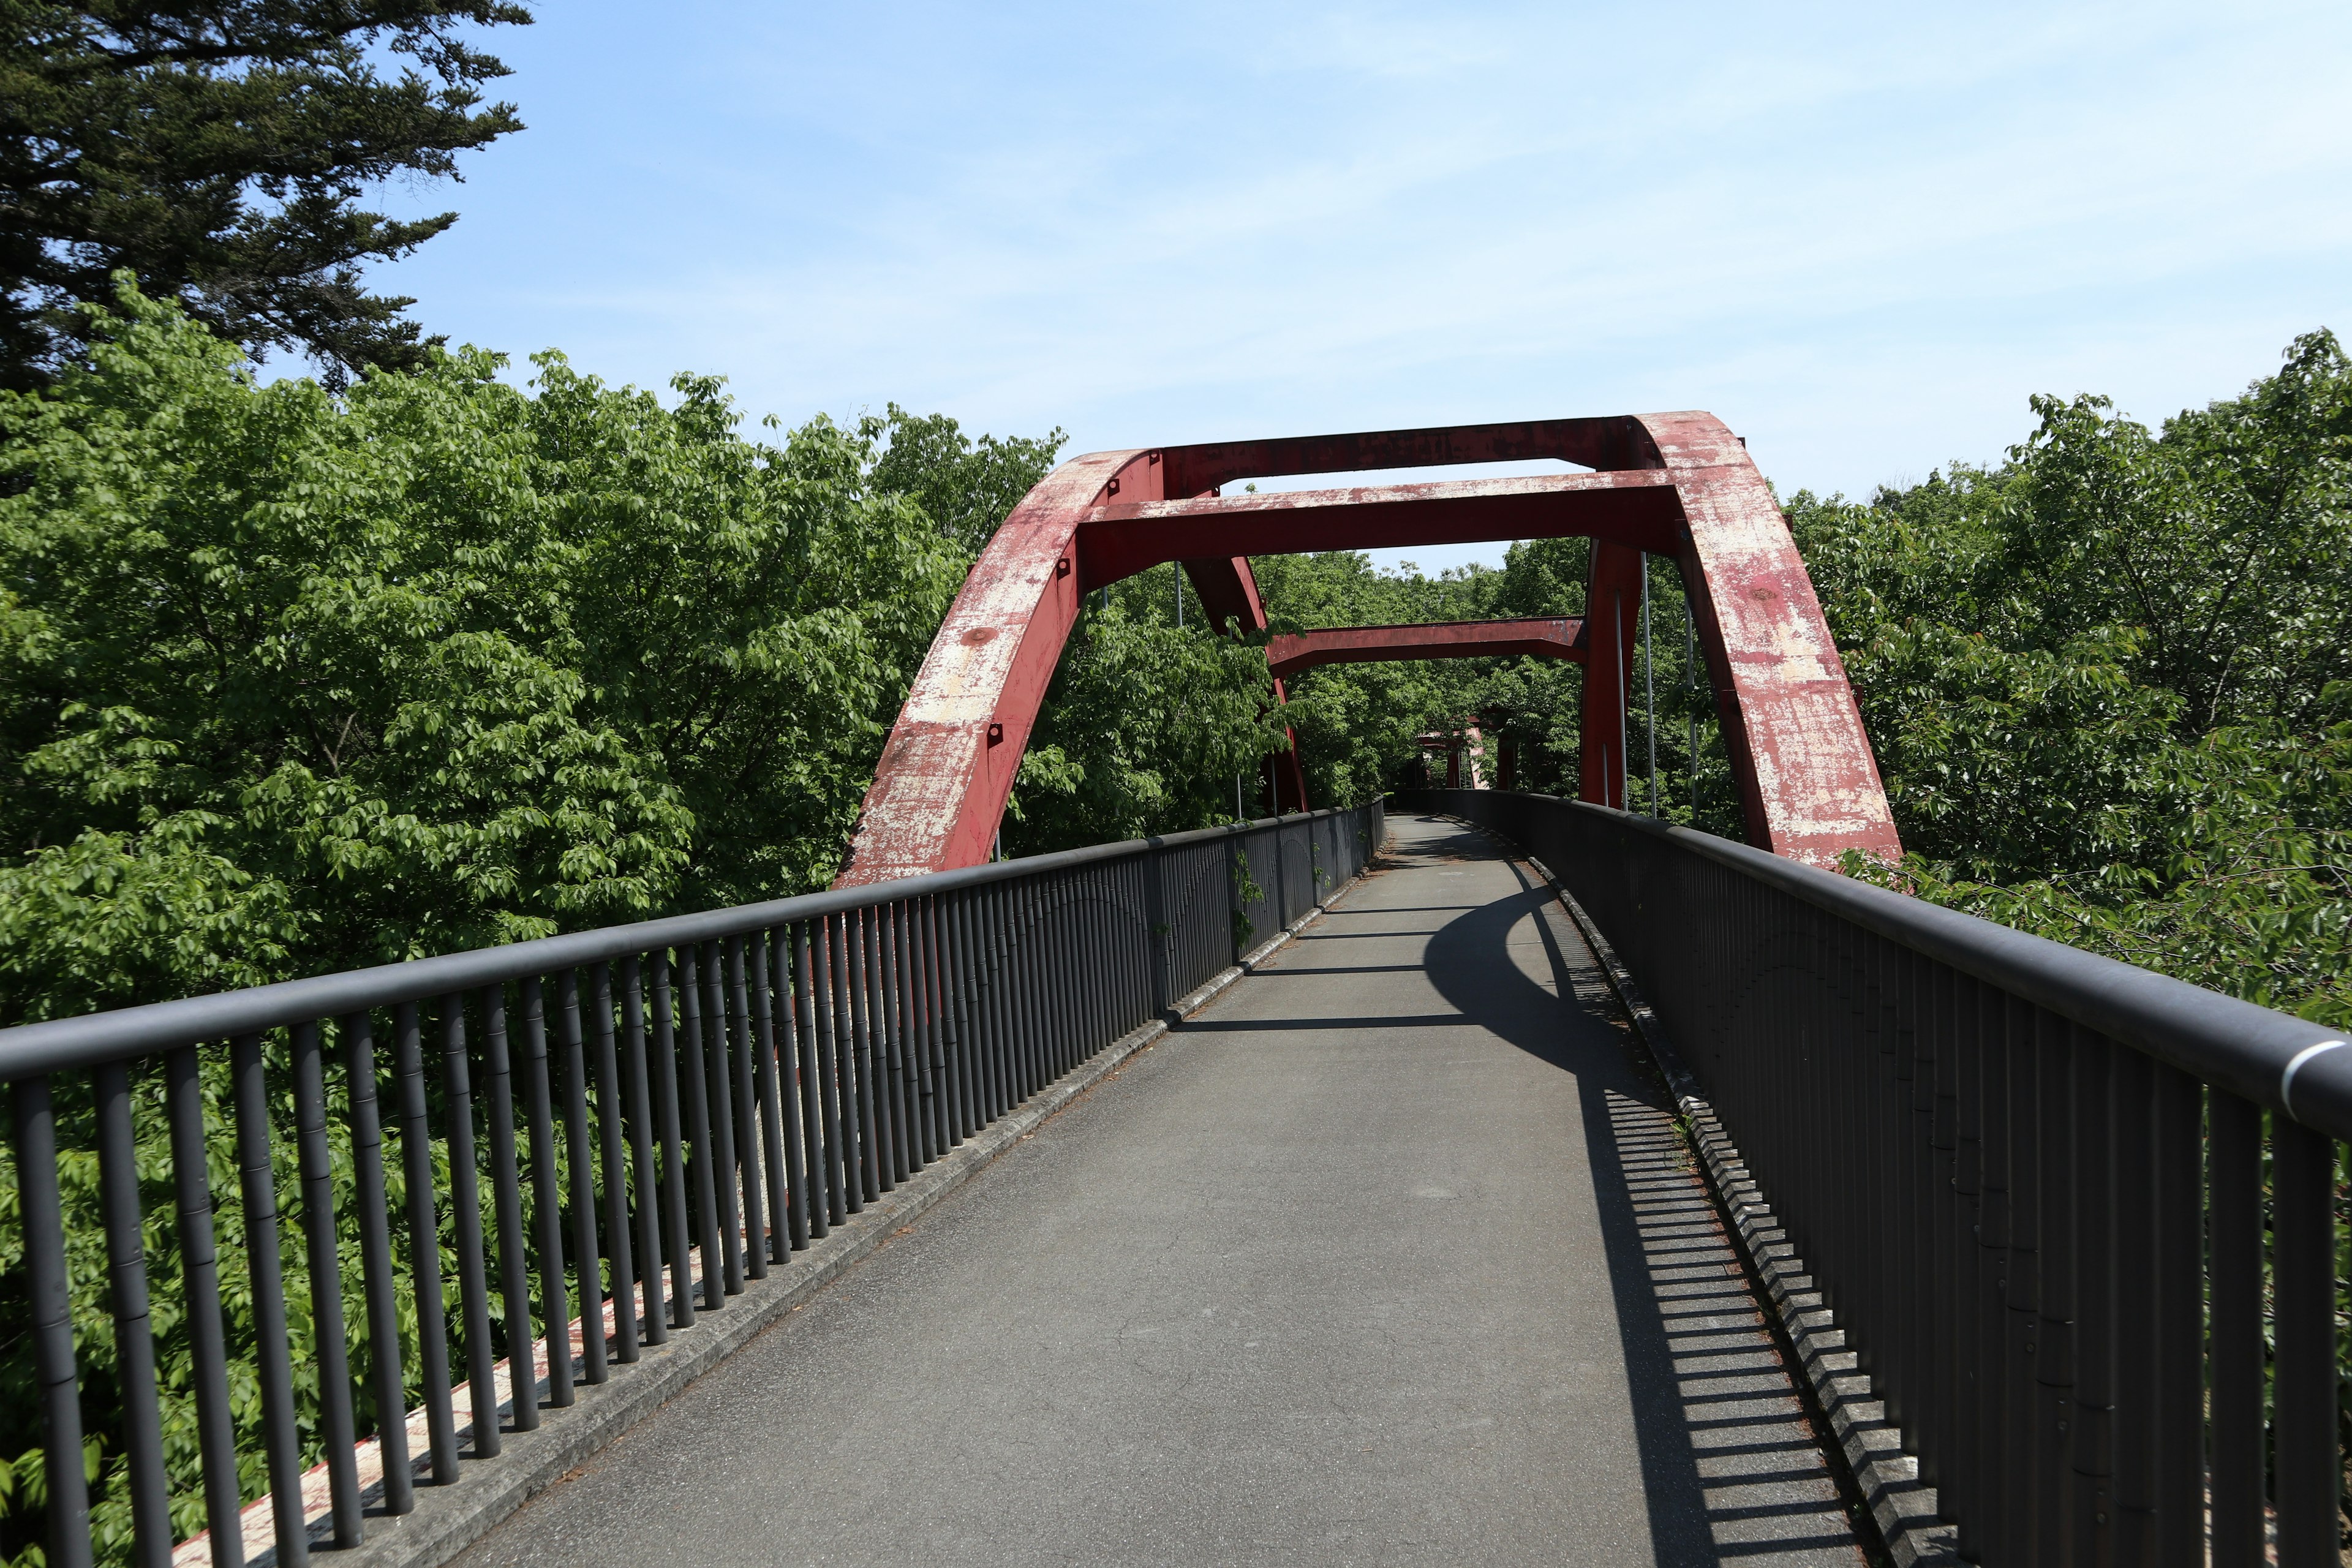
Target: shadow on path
pixel 1731 1463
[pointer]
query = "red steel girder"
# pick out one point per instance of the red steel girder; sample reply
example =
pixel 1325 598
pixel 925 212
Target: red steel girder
pixel 1679 485
pixel 1555 637
pixel 1637 508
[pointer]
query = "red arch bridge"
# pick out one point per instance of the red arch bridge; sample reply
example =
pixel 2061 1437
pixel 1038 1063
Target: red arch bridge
pixel 1676 485
pixel 1472 1175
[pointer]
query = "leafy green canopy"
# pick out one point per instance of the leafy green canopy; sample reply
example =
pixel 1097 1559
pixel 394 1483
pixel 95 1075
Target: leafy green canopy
pixel 289 683
pixel 2106 679
pixel 219 151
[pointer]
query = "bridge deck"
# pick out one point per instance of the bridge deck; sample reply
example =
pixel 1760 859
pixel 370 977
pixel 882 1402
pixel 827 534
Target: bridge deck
pixel 1388 1257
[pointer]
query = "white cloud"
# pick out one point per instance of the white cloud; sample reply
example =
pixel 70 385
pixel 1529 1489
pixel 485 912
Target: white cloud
pixel 1862 235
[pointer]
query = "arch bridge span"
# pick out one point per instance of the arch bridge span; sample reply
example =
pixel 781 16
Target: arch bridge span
pixel 1678 485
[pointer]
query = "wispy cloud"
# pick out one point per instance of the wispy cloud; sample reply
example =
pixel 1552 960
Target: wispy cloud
pixel 1863 234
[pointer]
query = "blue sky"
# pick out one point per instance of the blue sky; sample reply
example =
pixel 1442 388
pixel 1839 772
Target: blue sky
pixel 1864 235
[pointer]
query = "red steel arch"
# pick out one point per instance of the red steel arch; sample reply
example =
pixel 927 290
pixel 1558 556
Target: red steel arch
pixel 1678 485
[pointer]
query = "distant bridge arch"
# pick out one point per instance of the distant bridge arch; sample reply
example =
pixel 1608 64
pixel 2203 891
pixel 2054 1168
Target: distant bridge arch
pixel 1678 485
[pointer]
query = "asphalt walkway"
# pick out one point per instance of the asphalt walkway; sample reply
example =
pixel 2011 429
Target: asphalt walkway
pixel 1389 1256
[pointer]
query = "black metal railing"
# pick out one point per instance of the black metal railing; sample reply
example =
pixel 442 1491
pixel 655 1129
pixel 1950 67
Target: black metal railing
pixel 2079 1221
pixel 615 1129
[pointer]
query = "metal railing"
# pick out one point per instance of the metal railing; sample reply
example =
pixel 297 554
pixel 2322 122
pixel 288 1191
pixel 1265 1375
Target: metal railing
pixel 2079 1221
pixel 615 1128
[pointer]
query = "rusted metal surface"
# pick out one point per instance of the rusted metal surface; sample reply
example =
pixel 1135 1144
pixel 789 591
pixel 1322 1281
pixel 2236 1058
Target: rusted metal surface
pixel 1612 609
pixel 1555 638
pixel 939 791
pixel 1678 485
pixel 1287 777
pixel 1808 783
pixel 1227 590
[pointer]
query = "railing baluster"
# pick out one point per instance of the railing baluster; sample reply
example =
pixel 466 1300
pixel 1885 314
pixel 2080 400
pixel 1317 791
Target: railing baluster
pixel 923 1030
pixel 612 1151
pixel 940 1035
pixel 2021 1392
pixel 677 1237
pixel 1003 909
pixel 840 1069
pixel 749 1147
pixel 645 1123
pixel 718 1081
pixel 2304 1390
pixel 425 1243
pixel 337 1430
pixel 134 1338
pixel 200 1281
pixel 857 972
pixel 272 1354
pixel 2052 1346
pixel 546 1205
pixel 376 1281
pixel 34 1117
pixel 791 1085
pixel 581 1157
pixel 979 1038
pixel 891 1018
pixel 2137 1250
pixel 696 1092
pixel 466 1208
pixel 994 909
pixel 783 1184
pixel 2179 1426
pixel 2234 1221
pixel 906 1032
pixel 811 1017
pixel 954 1025
pixel 506 1208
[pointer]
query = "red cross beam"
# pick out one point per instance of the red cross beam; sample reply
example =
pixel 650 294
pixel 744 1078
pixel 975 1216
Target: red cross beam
pixel 1557 636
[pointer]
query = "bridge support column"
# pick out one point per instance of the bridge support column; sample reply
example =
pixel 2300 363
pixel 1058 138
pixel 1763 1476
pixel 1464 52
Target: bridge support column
pixel 1613 619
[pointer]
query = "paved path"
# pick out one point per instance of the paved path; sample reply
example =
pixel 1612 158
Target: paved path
pixel 1386 1257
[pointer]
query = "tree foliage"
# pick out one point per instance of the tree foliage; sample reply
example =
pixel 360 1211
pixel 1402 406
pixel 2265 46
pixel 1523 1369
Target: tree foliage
pixel 219 151
pixel 291 683
pixel 2105 679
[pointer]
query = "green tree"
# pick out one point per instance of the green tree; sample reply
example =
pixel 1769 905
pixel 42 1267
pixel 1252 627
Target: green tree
pixel 291 683
pixel 2103 679
pixel 219 150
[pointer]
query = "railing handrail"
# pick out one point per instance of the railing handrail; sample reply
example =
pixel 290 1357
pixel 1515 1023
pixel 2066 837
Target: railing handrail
pixel 2276 1059
pixel 93 1039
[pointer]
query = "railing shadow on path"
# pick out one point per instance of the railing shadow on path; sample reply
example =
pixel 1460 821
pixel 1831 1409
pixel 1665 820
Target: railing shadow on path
pixel 1732 1468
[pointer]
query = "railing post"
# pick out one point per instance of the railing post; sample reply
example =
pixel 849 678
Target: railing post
pixel 1159 931
pixel 53 1354
pixel 1233 865
pixel 1281 883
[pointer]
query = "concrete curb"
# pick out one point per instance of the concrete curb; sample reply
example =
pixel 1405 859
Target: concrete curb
pixel 1903 1508
pixel 447 1520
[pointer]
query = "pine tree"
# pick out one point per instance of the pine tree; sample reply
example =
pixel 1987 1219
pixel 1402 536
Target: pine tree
pixel 219 151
